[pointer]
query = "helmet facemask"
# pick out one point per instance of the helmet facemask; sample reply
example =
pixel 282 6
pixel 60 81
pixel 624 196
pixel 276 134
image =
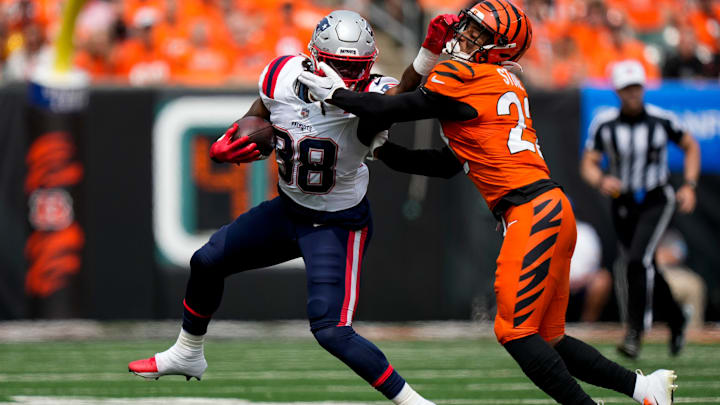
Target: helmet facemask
pixel 352 69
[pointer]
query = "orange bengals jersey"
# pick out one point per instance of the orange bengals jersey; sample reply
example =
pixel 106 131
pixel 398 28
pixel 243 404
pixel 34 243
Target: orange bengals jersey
pixel 499 149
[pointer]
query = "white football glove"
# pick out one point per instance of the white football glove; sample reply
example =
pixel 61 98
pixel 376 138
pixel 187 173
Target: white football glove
pixel 322 88
pixel 377 142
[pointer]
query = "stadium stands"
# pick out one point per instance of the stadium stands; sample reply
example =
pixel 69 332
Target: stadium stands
pixel 219 42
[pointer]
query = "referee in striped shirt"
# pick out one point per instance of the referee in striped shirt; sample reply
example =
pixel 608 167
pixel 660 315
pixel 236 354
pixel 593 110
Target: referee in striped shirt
pixel 634 139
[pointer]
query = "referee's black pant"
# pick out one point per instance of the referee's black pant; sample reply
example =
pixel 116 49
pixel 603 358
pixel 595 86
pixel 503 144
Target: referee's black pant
pixel 639 227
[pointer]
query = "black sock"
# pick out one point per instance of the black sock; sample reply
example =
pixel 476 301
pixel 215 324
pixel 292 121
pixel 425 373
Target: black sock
pixel 587 364
pixel 546 369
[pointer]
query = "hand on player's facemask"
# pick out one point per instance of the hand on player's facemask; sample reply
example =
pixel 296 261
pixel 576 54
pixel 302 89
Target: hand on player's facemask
pixel 229 150
pixel 319 87
pixel 439 32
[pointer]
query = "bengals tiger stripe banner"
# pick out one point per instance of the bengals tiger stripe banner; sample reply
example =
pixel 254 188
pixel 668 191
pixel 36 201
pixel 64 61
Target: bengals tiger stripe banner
pixel 53 185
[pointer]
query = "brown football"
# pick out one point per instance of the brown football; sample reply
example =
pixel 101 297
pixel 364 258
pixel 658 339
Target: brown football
pixel 260 132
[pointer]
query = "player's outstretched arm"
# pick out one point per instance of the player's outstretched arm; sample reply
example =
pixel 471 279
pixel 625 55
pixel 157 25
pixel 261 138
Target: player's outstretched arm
pixel 438 33
pixel 425 162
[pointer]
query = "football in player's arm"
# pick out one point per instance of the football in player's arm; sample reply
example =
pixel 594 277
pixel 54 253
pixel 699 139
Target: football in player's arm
pixel 485 116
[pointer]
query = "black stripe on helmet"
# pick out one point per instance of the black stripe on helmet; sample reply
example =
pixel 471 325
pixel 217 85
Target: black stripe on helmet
pixel 519 20
pixel 494 12
pixel 527 38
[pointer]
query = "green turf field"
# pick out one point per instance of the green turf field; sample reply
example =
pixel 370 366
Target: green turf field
pixel 462 372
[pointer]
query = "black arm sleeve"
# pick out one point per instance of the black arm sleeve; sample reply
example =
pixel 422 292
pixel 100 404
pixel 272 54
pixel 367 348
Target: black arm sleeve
pixel 416 105
pixel 378 111
pixel 425 162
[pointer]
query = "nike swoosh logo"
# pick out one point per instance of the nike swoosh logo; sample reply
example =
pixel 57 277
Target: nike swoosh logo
pixel 434 79
pixel 316 225
pixel 512 222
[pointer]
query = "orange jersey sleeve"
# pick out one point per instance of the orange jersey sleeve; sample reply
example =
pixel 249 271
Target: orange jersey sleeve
pixel 499 148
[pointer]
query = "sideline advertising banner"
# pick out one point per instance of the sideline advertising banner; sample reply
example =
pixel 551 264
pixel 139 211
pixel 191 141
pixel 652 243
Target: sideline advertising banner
pixel 697 106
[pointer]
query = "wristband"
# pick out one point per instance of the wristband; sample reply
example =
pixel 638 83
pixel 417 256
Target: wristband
pixel 425 61
pixel 691 183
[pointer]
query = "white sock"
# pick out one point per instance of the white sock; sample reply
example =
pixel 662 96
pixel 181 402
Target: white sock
pixel 187 348
pixel 408 396
pixel 189 343
pixel 640 388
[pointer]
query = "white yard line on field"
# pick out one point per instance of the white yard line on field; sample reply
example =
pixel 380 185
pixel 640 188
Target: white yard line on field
pixel 37 400
pixel 73 329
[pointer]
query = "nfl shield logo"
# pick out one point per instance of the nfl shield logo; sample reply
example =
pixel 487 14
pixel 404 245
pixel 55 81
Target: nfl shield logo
pixel 304 112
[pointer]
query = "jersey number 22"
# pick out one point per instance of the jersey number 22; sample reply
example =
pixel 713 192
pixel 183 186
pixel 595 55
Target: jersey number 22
pixel 515 142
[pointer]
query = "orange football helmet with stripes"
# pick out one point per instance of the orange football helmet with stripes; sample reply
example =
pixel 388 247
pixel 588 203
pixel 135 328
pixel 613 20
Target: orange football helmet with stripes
pixel 509 28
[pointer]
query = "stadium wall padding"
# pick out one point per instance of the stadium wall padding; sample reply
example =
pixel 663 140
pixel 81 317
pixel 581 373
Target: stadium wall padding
pixel 431 257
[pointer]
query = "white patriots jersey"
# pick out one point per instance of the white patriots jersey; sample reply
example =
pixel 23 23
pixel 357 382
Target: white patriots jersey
pixel 320 159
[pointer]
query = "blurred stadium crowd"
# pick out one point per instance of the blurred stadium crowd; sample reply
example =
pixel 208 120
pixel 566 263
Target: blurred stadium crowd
pixel 225 42
pixel 146 42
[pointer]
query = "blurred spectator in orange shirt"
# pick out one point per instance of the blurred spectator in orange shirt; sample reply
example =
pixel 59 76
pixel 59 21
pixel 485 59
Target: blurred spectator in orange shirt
pixel 705 19
pixel 684 63
pixel 96 31
pixel 619 45
pixel 96 55
pixel 591 29
pixel 250 49
pixel 293 23
pixel 539 59
pixel 208 12
pixel 139 59
pixel 568 67
pixel 206 65
pixel 171 37
pixel 646 17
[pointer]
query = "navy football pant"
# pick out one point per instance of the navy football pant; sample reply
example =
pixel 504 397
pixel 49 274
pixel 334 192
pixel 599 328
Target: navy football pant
pixel 268 235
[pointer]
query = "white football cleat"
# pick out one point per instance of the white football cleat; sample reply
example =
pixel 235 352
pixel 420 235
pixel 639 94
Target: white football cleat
pixel 659 387
pixel 169 363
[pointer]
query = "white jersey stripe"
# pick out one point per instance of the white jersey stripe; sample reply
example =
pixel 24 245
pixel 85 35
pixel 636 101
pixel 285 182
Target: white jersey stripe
pixel 358 238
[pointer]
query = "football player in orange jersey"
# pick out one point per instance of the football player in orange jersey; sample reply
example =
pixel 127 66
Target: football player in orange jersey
pixel 485 115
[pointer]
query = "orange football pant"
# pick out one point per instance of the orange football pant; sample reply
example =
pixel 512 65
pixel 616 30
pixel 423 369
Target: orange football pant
pixel 533 268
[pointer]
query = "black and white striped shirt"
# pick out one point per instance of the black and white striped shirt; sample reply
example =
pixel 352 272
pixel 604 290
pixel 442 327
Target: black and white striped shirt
pixel 636 147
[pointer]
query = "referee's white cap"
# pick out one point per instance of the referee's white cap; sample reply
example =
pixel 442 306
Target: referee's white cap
pixel 626 73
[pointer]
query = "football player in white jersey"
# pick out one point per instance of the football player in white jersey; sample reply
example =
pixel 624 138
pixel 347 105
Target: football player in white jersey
pixel 321 214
